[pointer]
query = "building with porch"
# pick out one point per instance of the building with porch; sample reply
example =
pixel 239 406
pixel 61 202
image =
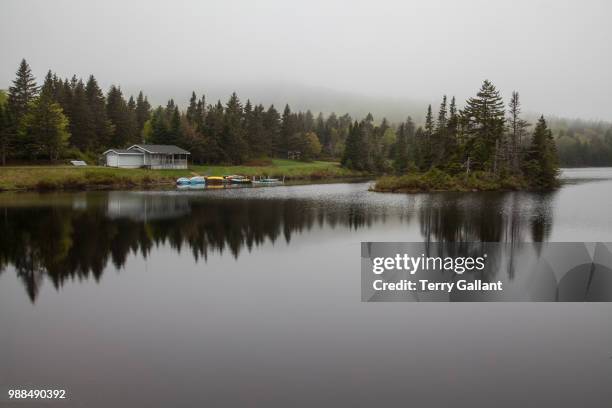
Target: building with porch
pixel 147 156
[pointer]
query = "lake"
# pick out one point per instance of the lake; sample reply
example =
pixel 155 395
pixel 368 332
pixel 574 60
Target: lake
pixel 251 297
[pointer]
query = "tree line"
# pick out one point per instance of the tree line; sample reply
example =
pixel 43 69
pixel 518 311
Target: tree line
pixel 71 117
pixel 483 136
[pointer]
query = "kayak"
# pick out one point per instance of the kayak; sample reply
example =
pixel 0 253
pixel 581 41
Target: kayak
pixel 197 180
pixel 239 180
pixel 181 181
pixel 215 180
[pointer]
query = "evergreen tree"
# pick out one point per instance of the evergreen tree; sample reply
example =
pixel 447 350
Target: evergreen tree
pixel 214 126
pixel 400 162
pixel 118 114
pixel 80 119
pixel 272 128
pixel 134 130
pixel 101 127
pixel 233 138
pixel 426 143
pixel 288 129
pixel 143 111
pixel 518 129
pixel 22 92
pixel 541 166
pixel 192 109
pixel 160 133
pixel 485 126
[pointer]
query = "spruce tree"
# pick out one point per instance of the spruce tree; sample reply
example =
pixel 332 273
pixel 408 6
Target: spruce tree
pixel 400 162
pixel 541 166
pixel 22 92
pixel 272 126
pixel 101 127
pixel 288 129
pixel 426 143
pixel 485 121
pixel 143 111
pixel 80 119
pixel 233 140
pixel 118 114
pixel 517 128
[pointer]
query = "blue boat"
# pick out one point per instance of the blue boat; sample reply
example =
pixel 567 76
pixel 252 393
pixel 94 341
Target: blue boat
pixel 182 181
pixel 197 180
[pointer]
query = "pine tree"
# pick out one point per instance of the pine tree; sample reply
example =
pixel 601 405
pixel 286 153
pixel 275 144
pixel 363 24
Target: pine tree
pixel 440 145
pixel 22 92
pixel 143 111
pixel 288 129
pixel 101 127
pixel 233 140
pixel 192 109
pixel 426 144
pixel 272 126
pixel 400 162
pixel 80 119
pixel 541 166
pixel 118 114
pixel 485 126
pixel 518 129
pixel 134 130
pixel 214 127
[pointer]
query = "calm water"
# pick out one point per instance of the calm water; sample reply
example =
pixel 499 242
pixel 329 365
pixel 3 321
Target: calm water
pixel 251 297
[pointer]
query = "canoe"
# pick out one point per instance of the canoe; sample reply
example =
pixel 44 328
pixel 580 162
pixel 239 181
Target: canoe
pixel 268 181
pixel 181 181
pixel 197 180
pixel 215 180
pixel 239 180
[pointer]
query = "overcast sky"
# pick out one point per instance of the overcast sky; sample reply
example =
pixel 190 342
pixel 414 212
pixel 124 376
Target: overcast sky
pixel 558 54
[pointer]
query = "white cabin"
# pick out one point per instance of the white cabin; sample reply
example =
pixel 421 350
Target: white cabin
pixel 148 156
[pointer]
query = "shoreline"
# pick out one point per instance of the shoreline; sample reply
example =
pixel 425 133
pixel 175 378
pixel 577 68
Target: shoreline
pixel 90 178
pixel 439 181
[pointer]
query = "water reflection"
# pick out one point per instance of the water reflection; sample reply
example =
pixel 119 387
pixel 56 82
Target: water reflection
pixel 68 236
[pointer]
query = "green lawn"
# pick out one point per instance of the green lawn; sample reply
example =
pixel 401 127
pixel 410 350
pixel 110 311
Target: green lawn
pixel 69 177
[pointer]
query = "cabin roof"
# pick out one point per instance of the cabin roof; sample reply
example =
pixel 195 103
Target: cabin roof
pixel 160 149
pixel 121 151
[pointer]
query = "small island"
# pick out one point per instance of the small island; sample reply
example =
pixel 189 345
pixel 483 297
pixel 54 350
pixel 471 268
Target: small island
pixel 478 148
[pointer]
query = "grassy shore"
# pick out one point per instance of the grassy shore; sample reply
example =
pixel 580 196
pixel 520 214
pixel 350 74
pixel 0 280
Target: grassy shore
pixel 435 180
pixel 94 177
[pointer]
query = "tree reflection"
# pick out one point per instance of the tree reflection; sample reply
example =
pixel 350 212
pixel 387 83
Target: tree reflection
pixel 78 237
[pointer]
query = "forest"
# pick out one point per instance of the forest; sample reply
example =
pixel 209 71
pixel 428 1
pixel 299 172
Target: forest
pixel 75 118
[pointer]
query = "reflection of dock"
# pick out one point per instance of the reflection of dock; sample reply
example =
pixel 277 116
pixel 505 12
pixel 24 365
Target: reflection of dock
pixel 145 206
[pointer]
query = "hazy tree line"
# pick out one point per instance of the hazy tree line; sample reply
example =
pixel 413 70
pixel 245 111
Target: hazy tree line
pixel 584 143
pixel 483 136
pixel 74 118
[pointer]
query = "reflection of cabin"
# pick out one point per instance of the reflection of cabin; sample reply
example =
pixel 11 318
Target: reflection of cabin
pixel 146 206
pixel 149 156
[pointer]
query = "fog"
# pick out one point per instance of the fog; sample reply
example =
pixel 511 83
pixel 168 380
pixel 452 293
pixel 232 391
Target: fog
pixel 372 55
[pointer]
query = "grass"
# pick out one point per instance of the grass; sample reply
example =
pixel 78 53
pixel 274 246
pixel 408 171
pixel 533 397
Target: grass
pixel 94 177
pixel 436 180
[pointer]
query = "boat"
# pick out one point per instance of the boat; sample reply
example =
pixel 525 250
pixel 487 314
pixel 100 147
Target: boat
pixel 238 180
pixel 197 180
pixel 268 181
pixel 215 180
pixel 182 181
